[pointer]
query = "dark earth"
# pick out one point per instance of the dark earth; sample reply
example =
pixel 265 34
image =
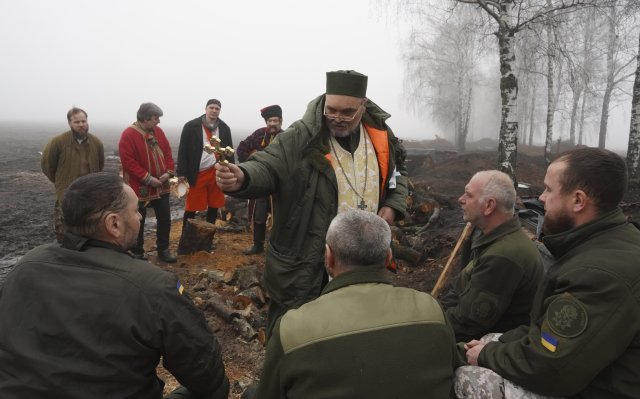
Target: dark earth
pixel 27 199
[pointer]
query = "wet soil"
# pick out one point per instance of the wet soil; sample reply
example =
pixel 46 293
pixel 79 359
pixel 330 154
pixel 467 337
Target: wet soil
pixel 27 199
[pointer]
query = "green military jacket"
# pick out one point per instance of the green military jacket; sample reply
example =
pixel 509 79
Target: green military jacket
pixel 495 291
pixel 584 339
pixel 295 170
pixel 61 159
pixel 86 320
pixel 362 338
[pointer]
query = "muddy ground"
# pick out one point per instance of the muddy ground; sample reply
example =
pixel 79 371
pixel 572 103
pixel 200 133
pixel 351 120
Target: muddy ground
pixel 27 199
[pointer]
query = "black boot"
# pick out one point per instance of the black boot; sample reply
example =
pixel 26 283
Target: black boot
pixel 212 215
pixel 165 256
pixel 259 233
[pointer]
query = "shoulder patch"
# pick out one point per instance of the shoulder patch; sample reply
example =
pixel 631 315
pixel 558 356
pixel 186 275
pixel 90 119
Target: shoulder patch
pixel 567 317
pixel 180 287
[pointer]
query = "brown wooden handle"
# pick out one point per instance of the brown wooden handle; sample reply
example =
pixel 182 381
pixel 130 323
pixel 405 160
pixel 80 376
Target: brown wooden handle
pixel 447 268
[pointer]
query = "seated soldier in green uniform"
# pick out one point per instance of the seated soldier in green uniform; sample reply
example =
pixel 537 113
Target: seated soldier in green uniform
pixel 503 267
pixel 363 337
pixel 584 336
pixel 87 320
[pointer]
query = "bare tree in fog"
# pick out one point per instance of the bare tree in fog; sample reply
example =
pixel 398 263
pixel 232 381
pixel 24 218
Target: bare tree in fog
pixel 510 17
pixel 441 71
pixel 633 149
pixel 552 62
pixel 579 57
pixel 529 57
pixel 619 16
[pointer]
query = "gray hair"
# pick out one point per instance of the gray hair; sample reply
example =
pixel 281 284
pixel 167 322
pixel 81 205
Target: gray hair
pixel 148 111
pixel 88 198
pixel 359 238
pixel 499 186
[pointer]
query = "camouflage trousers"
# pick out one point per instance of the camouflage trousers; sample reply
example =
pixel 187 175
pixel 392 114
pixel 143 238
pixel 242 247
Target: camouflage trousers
pixel 475 382
pixel 58 221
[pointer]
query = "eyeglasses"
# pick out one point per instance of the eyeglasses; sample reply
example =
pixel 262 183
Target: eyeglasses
pixel 344 116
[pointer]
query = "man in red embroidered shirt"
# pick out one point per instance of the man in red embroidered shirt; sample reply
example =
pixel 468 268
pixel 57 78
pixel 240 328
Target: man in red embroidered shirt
pixel 147 165
pixel 196 165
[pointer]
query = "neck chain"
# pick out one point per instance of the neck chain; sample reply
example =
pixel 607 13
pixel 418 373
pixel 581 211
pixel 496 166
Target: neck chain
pixel 362 204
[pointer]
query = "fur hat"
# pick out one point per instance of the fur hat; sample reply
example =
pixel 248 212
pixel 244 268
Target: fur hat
pixel 271 111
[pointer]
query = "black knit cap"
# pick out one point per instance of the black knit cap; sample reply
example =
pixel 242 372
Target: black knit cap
pixel 347 83
pixel 213 101
pixel 271 111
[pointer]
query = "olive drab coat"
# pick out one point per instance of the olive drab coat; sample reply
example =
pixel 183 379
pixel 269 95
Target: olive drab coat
pixel 295 169
pixel 584 338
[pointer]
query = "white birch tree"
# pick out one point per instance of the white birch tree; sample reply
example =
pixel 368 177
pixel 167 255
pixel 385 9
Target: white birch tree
pixel 633 148
pixel 510 17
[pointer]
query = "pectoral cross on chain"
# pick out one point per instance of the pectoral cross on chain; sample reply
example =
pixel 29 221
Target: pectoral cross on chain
pixel 362 205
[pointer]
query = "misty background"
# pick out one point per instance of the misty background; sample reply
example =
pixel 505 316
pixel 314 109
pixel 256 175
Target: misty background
pixel 109 57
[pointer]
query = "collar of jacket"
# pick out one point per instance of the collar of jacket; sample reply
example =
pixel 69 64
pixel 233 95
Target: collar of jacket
pixel 505 228
pixel 72 138
pixel 373 274
pixel 561 243
pixel 79 243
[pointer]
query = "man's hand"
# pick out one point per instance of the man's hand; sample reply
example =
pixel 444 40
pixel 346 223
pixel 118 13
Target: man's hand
pixel 164 178
pixel 154 182
pixel 473 349
pixel 229 177
pixel 388 214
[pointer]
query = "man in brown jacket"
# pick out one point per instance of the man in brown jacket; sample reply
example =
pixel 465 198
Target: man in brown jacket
pixel 68 156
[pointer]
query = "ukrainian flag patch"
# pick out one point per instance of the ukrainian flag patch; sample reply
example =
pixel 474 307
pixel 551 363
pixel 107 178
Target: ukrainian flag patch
pixel 548 341
pixel 180 287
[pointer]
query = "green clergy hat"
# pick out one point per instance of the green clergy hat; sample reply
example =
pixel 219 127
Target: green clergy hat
pixel 347 83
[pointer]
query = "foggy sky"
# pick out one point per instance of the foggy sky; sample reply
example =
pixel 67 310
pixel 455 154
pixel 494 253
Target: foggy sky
pixel 110 56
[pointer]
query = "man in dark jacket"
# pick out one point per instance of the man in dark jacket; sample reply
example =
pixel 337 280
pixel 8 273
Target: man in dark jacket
pixel 584 336
pixel 341 155
pixel 86 320
pixel 196 165
pixel 257 141
pixel 363 337
pixel 495 290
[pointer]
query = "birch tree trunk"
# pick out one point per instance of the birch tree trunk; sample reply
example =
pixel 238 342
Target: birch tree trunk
pixel 574 115
pixel 508 141
pixel 551 104
pixel 633 149
pixel 467 117
pixel 606 99
pixel 582 116
pixel 532 111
